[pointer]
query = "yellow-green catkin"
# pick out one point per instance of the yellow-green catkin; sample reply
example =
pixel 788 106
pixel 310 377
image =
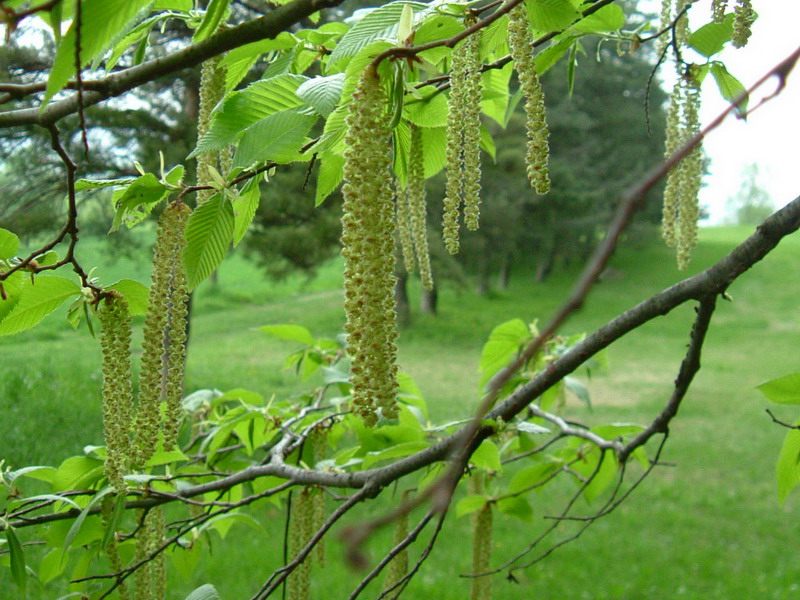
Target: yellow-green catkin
pixel 681 210
pixel 115 342
pixel 163 348
pixel 418 207
pixel 368 251
pixel 112 549
pixel 538 150
pixel 151 577
pixel 298 584
pixel 718 8
pixel 743 18
pixel 481 588
pixel 212 90
pixel 398 566
pixel 320 441
pixel 463 141
pixel 402 202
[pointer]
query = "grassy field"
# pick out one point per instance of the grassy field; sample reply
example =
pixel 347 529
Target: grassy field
pixel 708 527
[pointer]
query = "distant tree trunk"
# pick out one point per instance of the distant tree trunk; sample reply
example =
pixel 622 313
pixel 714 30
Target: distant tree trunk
pixel 483 286
pixel 504 276
pixel 428 303
pixel 401 300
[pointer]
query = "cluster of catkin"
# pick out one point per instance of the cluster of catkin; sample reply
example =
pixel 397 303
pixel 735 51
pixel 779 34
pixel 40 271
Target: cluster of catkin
pixel 368 250
pixel 743 18
pixel 411 214
pixel 132 432
pixel 521 43
pixel 681 210
pixel 481 543
pixel 463 141
pixel 212 91
pixel 151 577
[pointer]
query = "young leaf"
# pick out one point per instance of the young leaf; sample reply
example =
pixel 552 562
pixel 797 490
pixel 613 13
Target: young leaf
pixel 244 209
pixel 17 560
pixel 208 235
pixel 322 93
pixel 101 22
pixel 504 343
pixel 517 507
pixel 204 592
pixel 382 22
pixel 242 109
pixel 76 526
pixel 9 244
pixel 552 15
pixel 37 300
pixel 135 293
pixel 291 333
pixel 470 504
pixel 487 456
pixel 428 111
pixel 134 202
pixel 329 176
pixel 783 390
pixel 788 467
pixel 238 61
pixel 608 18
pixel 276 138
pixel 729 87
pixel 215 14
pixel 712 37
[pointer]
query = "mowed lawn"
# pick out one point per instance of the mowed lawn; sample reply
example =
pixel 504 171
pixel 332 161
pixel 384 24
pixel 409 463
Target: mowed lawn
pixel 708 526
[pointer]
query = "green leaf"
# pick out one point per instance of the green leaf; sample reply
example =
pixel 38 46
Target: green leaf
pixel 428 111
pixel 495 93
pixel 712 37
pixel 204 592
pixel 487 456
pixel 40 472
pixel 378 23
pixel 504 343
pixel 487 143
pixel 134 202
pixel 242 109
pixel 37 300
pixel 244 209
pixel 276 138
pixel 48 497
pixel 322 93
pixel 51 566
pixel 180 5
pixel 729 87
pixel 238 61
pixel 397 451
pixel 531 476
pixel 551 15
pixel 137 35
pixel 291 333
pixel 101 22
pixel 208 235
pixel 135 294
pixel 783 390
pixel 77 470
pixel 93 184
pixel 78 523
pixel 470 504
pixel 215 14
pixel 788 467
pixel 549 57
pixel 608 18
pixel 434 144
pixel 329 176
pixel 12 288
pixel 164 457
pixel 517 507
pixel 9 244
pixel 17 559
pixel 533 428
pixel 577 387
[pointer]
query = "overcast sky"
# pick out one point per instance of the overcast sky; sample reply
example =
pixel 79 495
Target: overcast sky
pixel 770 137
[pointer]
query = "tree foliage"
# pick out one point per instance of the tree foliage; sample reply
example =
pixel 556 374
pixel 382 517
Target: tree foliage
pixel 344 97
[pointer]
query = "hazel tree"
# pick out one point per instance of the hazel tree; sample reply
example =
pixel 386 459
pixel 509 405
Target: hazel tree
pixel 378 102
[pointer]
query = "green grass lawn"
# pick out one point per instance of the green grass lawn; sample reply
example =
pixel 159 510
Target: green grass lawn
pixel 707 527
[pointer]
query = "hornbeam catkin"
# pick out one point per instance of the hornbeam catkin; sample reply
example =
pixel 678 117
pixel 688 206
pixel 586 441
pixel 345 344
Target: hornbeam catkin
pixel 115 342
pixel 417 207
pixel 161 376
pixel 521 43
pixel 463 167
pixel 743 18
pixel 298 583
pixel 368 251
pixel 212 90
pixel 151 576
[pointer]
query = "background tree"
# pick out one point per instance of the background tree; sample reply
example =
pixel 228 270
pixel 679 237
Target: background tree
pixel 751 204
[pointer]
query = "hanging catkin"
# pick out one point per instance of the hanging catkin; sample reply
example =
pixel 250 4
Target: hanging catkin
pixel 463 166
pixel 161 376
pixel 115 342
pixel 418 207
pixel 212 90
pixel 368 251
pixel 298 584
pixel 521 43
